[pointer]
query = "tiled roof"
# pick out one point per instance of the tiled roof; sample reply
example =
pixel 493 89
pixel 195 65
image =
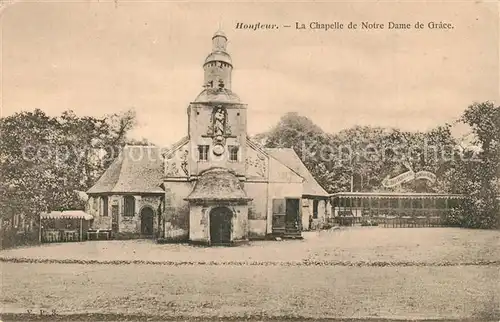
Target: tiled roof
pixel 214 95
pixel 137 169
pixel 290 159
pixel 218 184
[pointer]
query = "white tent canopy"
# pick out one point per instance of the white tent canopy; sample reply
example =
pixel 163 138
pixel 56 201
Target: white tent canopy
pixel 67 214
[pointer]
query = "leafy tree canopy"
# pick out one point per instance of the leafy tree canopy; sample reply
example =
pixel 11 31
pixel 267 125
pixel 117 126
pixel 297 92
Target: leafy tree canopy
pixel 44 160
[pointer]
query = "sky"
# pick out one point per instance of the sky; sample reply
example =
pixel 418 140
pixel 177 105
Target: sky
pixel 101 57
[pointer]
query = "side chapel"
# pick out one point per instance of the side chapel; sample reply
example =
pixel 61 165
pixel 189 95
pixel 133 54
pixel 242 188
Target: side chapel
pixel 214 186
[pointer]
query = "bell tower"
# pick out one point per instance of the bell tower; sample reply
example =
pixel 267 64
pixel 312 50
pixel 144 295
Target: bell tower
pixel 218 65
pixel 217 119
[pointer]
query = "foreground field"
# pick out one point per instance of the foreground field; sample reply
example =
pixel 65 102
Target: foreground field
pixel 425 273
pixel 253 291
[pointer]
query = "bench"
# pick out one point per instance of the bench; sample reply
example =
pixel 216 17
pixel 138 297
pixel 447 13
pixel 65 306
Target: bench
pixel 98 234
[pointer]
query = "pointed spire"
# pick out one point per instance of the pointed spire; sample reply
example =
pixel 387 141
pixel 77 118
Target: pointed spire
pixel 219 32
pixel 219 41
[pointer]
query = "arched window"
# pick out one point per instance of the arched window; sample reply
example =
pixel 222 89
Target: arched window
pixel 129 206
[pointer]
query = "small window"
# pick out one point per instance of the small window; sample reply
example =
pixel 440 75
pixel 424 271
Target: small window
pixel 105 206
pixel 279 206
pixel 315 209
pixel 416 203
pixel 233 153
pixel 129 206
pixel 203 152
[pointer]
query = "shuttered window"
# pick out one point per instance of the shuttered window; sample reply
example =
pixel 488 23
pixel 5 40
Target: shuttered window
pixel 129 206
pixel 105 206
pixel 202 152
pixel 315 209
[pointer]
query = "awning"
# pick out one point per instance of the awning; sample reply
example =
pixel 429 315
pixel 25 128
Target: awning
pixel 392 195
pixel 67 214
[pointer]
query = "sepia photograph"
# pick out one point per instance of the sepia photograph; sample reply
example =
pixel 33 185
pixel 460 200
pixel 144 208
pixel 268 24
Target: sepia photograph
pixel 168 160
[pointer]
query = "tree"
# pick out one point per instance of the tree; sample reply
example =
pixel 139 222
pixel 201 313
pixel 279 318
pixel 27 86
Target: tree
pixel 308 141
pixel 477 175
pixel 359 158
pixel 44 160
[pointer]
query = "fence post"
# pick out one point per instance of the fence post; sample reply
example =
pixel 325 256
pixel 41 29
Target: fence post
pixel 40 229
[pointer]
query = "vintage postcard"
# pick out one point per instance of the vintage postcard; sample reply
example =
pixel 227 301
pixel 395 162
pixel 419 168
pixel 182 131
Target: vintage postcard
pixel 249 161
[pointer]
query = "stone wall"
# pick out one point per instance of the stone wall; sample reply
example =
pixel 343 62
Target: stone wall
pixel 176 217
pixel 127 226
pixel 257 209
pixel 95 208
pixel 240 223
pixel 199 228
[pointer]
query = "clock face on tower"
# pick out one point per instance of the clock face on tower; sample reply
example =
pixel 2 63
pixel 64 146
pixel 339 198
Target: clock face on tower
pixel 218 149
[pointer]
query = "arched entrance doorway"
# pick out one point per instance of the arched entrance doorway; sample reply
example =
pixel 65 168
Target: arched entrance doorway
pixel 220 225
pixel 147 215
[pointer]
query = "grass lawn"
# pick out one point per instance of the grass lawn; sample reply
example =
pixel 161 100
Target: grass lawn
pixel 465 288
pixel 256 291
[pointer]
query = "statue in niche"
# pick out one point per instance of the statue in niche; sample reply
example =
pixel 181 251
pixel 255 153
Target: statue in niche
pixel 219 121
pixel 219 125
pixel 219 129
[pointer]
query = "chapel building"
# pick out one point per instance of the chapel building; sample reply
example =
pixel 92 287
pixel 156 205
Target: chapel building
pixel 215 185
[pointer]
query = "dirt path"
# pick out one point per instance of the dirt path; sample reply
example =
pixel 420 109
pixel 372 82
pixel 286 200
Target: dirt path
pixel 451 246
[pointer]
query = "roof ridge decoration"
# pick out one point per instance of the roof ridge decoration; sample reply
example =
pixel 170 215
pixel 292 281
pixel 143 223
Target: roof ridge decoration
pixel 167 154
pixel 262 149
pixel 177 167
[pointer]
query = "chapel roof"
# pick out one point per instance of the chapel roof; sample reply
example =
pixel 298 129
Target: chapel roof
pixel 216 95
pixel 137 169
pixel 218 184
pixel 291 160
